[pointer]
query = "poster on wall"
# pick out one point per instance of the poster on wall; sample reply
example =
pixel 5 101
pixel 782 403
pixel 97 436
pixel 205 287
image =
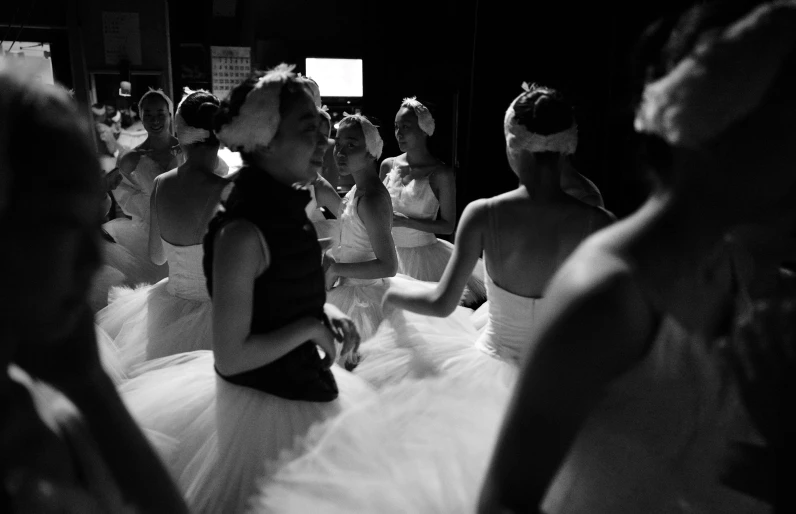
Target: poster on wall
pixel 231 65
pixel 121 35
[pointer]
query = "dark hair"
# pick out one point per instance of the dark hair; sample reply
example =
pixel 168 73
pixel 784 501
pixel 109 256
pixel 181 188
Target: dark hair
pixel 543 111
pixel 199 110
pixel 662 46
pixel 231 105
pixel 70 164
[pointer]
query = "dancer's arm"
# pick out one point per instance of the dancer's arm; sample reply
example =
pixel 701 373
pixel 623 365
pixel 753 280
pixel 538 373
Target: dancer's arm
pixel 384 169
pixel 376 212
pixel 156 252
pixel 443 183
pixel 326 196
pixel 442 300
pixel 596 326
pixel 239 257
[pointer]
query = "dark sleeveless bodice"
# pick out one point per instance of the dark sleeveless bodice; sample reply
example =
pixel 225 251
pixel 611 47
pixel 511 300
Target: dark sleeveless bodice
pixel 291 288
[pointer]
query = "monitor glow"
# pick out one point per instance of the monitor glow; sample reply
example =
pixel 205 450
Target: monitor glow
pixel 336 77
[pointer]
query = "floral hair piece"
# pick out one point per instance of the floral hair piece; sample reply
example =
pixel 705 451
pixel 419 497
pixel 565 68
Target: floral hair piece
pixel 314 89
pixel 518 137
pixel 424 118
pixel 722 81
pixel 373 141
pixel 187 134
pixel 160 93
pixel 258 118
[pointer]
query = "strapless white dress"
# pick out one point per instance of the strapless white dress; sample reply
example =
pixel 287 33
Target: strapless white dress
pixel 166 318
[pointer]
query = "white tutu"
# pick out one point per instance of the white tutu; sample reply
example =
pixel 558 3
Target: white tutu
pixel 361 299
pixel 422 447
pixel 409 345
pixel 151 322
pixel 428 263
pixel 130 254
pixel 109 356
pixel 226 434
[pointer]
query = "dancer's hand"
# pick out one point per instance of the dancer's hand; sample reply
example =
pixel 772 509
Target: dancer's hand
pixel 67 363
pixel 763 354
pixel 324 338
pixel 399 220
pixel 344 329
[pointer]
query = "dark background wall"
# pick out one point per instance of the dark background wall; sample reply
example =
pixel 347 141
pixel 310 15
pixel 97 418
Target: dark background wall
pixel 465 59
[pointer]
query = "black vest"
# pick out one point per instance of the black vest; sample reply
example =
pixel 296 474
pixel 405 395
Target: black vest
pixel 291 288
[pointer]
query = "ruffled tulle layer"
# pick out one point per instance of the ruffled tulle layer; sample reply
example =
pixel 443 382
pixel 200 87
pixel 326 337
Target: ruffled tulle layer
pixel 130 253
pixel 150 322
pixel 428 263
pixel 218 438
pixel 409 345
pixel 109 356
pixel 422 446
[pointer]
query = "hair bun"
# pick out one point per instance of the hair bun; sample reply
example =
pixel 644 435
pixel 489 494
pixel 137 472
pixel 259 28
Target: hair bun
pixel 205 115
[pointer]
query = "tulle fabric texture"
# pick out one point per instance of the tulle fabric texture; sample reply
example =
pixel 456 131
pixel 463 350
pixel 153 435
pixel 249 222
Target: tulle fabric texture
pixel 421 446
pixel 149 322
pixel 218 438
pixel 428 263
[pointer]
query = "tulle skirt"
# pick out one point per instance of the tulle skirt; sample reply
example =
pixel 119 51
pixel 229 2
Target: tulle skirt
pixel 428 263
pixel 220 440
pixel 361 299
pixel 130 254
pixel 409 346
pixel 149 322
pixel 109 356
pixel 422 447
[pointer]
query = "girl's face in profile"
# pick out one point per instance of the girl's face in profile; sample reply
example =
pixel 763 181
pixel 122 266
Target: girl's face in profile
pixel 299 139
pixel 407 131
pixel 156 117
pixel 350 150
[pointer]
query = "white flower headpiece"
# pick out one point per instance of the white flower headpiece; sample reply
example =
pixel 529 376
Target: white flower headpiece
pixel 258 118
pixel 187 134
pixel 160 93
pixel 722 81
pixel 373 141
pixel 314 89
pixel 424 118
pixel 518 137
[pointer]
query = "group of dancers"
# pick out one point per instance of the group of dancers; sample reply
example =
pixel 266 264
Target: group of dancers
pixel 247 354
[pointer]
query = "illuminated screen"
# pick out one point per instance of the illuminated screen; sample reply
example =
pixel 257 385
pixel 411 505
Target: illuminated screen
pixel 34 55
pixel 336 77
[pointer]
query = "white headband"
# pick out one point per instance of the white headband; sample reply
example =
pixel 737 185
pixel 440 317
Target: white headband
pixel 187 134
pixel 99 111
pixel 518 137
pixel 424 118
pixel 161 94
pixel 258 118
pixel 722 81
pixel 373 142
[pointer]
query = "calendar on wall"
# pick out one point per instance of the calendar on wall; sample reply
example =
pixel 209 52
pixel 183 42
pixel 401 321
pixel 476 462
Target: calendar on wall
pixel 121 36
pixel 231 66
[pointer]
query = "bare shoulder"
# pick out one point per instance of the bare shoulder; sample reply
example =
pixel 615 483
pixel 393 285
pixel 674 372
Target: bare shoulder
pixel 239 234
pixel 377 200
pixel 442 173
